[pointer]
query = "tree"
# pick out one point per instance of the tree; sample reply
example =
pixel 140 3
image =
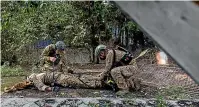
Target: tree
pixel 78 23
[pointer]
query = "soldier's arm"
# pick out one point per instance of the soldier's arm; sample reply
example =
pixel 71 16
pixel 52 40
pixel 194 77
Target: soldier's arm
pixel 63 59
pixel 37 80
pixel 109 63
pixel 63 63
pixel 45 53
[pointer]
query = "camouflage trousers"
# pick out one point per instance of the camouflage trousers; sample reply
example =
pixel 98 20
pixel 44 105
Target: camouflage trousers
pixel 43 80
pixel 124 77
pixel 84 81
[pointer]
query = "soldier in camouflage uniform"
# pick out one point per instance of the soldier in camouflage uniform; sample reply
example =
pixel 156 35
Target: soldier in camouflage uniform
pixel 53 59
pixel 43 81
pixel 116 67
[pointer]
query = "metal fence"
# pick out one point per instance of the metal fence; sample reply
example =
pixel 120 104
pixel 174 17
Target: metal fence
pixel 169 80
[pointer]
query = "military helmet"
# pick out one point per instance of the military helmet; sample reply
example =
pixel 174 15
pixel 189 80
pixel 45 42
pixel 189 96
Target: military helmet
pixel 98 49
pixel 60 45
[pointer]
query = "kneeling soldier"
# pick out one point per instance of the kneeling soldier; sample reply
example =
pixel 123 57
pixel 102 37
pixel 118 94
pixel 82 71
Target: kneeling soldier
pixel 116 67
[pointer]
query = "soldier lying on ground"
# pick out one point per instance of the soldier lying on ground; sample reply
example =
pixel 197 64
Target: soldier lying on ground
pixel 53 59
pixel 43 81
pixel 150 78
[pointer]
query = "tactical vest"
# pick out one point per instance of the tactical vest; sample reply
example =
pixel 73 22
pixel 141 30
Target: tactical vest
pixel 125 60
pixel 52 53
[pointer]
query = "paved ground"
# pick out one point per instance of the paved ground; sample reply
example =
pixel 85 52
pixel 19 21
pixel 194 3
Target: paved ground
pixel 68 97
pixel 94 102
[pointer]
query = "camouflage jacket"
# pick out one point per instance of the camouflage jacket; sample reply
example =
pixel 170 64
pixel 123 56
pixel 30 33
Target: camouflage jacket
pixel 110 60
pixel 48 52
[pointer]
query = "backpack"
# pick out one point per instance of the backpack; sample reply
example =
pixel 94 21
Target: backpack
pixel 125 60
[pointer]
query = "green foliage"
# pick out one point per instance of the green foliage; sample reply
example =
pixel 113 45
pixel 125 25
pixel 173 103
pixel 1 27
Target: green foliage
pixel 170 93
pixel 78 23
pixel 160 101
pixel 11 71
pixel 132 26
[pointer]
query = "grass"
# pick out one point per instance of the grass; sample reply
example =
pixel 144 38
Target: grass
pixel 11 76
pixel 160 101
pixel 129 102
pixel 173 93
pixel 170 93
pixel 7 71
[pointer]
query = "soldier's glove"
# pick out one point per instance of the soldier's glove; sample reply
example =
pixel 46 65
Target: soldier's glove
pixel 112 84
pixel 55 87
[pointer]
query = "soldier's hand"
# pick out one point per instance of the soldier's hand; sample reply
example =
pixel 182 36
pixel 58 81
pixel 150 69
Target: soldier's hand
pixel 53 59
pixel 48 89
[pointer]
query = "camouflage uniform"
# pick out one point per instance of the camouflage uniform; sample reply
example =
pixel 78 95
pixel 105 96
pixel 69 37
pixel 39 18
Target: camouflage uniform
pixel 110 60
pixel 44 80
pixel 47 65
pixel 125 78
pixel 121 74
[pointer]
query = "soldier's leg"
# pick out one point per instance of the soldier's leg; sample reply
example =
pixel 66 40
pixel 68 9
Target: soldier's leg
pixel 119 78
pixel 129 73
pixel 67 80
pixel 128 70
pixel 90 82
pixel 85 81
pixel 134 83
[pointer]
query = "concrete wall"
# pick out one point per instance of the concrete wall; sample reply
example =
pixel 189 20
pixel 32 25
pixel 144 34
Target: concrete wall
pixel 80 55
pixel 73 56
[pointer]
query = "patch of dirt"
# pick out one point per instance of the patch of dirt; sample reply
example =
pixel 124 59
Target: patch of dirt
pixel 88 66
pixel 10 81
